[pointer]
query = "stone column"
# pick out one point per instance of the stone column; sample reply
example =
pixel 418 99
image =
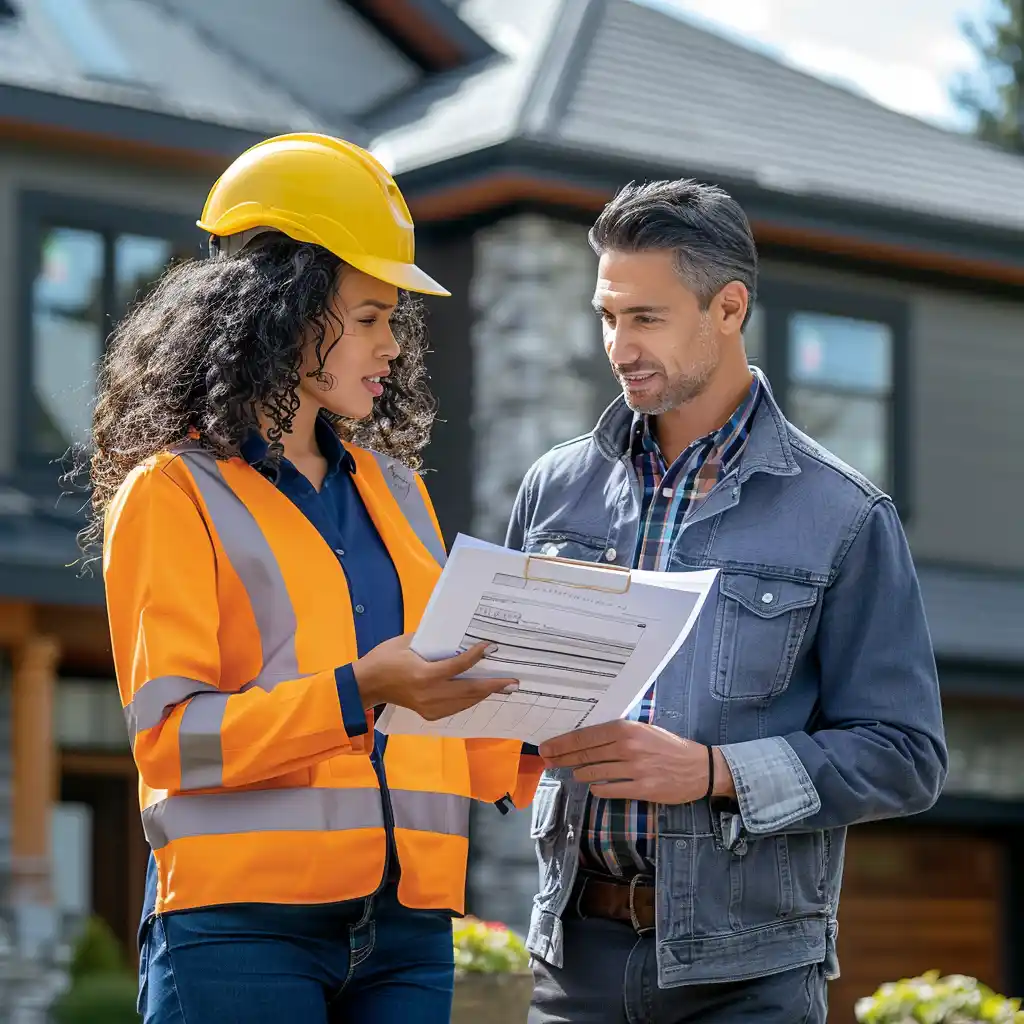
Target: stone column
pixel 539 373
pixel 539 377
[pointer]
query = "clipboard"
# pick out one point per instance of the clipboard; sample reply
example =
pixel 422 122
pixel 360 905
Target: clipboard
pixel 572 572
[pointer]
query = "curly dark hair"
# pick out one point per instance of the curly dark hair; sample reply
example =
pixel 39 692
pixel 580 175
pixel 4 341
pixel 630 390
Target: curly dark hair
pixel 217 340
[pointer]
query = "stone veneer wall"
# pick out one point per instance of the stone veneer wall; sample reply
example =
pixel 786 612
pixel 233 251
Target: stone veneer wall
pixel 539 377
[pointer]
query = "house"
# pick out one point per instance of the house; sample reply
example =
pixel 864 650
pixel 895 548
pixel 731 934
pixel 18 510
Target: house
pixel 889 320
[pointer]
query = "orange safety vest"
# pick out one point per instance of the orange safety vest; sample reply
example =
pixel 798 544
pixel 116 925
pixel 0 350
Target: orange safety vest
pixel 228 616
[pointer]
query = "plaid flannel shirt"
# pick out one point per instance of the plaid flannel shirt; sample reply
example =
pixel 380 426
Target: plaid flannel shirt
pixel 618 835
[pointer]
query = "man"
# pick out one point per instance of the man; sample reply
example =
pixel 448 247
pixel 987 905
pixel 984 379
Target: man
pixel 691 857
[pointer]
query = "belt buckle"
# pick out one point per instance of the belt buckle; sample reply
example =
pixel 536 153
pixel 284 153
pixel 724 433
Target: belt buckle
pixel 633 919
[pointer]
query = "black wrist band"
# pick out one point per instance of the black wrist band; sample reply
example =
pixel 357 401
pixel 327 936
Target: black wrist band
pixel 711 773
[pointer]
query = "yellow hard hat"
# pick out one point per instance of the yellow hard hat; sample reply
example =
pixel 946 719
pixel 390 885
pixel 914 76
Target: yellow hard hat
pixel 315 188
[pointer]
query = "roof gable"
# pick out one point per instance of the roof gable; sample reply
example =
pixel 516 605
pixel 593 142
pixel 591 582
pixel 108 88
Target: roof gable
pixel 653 85
pixel 646 89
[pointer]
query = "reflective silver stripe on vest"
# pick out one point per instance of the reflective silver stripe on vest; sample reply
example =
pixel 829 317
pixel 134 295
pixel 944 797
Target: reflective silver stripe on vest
pixel 255 565
pixel 157 698
pixel 200 748
pixel 199 744
pixel 444 813
pixel 265 810
pixel 402 485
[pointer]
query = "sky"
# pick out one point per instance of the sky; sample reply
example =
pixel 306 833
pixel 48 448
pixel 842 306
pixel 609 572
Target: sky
pixel 904 54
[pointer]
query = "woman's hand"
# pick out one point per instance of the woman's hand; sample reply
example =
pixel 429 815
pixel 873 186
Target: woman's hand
pixel 394 674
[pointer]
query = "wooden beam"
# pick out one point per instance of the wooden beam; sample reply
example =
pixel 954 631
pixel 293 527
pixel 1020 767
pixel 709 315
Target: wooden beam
pixel 34 684
pixel 16 622
pixel 89 144
pixel 464 200
pixel 83 634
pixel 503 189
pixel 888 253
pixel 419 38
pixel 86 763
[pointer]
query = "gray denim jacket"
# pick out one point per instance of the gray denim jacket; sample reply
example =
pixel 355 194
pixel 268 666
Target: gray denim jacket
pixel 811 666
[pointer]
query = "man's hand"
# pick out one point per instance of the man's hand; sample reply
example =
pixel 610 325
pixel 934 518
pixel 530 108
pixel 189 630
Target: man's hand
pixel 392 673
pixel 635 761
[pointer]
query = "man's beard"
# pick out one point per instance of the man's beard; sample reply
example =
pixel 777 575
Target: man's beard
pixel 681 388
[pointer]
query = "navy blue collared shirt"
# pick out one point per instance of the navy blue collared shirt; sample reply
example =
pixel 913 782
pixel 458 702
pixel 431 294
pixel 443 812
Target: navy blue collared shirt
pixel 340 517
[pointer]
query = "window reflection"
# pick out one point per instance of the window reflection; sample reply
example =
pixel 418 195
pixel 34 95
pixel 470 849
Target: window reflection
pixel 840 372
pixel 67 310
pixel 138 262
pixel 86 281
pixel 837 352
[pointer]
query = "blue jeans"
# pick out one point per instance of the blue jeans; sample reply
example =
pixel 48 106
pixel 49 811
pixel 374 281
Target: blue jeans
pixel 370 960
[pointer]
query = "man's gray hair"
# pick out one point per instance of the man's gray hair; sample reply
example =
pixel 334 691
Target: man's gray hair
pixel 702 224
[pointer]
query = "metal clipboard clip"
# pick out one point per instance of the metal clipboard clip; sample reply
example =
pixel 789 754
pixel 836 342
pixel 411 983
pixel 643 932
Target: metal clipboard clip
pixel 575 572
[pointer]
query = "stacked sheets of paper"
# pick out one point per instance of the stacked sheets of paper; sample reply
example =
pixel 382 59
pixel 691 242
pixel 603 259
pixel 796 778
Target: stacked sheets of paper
pixel 584 640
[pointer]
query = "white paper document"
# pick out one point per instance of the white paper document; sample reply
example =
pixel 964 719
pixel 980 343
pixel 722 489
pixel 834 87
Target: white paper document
pixel 584 640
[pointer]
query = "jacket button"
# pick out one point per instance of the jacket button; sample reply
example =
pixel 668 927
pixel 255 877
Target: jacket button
pixel 611 554
pixel 767 598
pixel 359 609
pixel 340 552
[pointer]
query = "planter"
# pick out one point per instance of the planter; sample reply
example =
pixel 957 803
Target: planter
pixel 494 998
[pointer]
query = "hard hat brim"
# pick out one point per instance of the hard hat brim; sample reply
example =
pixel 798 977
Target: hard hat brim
pixel 402 275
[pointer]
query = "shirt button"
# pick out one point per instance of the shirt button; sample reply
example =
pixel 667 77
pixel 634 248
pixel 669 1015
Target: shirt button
pixel 340 552
pixel 610 554
pixel 767 598
pixel 360 609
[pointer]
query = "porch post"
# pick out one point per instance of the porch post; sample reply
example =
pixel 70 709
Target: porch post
pixel 35 660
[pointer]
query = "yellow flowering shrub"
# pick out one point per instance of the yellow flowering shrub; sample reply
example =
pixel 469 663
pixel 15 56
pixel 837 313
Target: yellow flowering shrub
pixel 931 999
pixel 487 947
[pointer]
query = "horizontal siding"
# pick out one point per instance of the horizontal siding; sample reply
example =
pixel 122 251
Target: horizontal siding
pixel 967 383
pixel 968 400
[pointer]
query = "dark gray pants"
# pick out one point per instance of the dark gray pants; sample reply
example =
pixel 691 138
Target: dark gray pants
pixel 611 977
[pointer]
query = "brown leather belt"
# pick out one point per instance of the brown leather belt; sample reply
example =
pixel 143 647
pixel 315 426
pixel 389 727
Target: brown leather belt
pixel 631 902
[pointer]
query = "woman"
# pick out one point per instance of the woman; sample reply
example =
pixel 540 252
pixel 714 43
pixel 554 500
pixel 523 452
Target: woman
pixel 267 551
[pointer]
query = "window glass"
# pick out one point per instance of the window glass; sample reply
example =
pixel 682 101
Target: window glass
pixel 67 337
pixel 85 283
pixel 753 337
pixel 838 352
pixel 854 429
pixel 138 262
pixel 87 715
pixel 840 384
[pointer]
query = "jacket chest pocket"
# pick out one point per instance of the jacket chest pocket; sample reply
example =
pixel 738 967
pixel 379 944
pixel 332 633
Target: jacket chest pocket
pixel 760 624
pixel 577 546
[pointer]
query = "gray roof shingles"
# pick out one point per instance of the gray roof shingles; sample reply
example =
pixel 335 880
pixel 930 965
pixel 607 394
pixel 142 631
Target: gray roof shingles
pixel 178 72
pixel 637 84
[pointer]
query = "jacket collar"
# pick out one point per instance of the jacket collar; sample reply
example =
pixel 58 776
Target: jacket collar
pixel 768 447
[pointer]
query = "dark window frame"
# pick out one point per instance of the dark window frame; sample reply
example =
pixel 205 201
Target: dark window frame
pixel 36 213
pixel 779 299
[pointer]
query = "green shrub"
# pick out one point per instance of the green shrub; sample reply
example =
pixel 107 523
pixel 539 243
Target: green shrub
pixel 931 999
pixel 103 990
pixel 97 951
pixel 107 998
